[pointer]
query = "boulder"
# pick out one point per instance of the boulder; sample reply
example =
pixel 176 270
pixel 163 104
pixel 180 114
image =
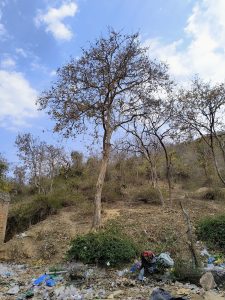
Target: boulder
pixel 207 281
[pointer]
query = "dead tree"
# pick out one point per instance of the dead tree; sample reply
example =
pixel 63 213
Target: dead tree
pixel 100 91
pixel 191 242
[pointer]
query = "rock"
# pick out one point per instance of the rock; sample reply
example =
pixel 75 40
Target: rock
pixel 183 292
pixel 207 281
pixel 115 294
pixel 219 277
pixel 212 296
pixel 14 290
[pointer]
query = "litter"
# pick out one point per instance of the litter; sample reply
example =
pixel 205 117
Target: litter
pixel 211 259
pixel 40 279
pixel 50 282
pixel 165 260
pixel 205 252
pixel 135 267
pixel 14 290
pixel 122 273
pixel 161 294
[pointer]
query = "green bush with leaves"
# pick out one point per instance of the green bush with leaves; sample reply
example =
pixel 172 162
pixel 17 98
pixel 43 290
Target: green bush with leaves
pixel 106 247
pixel 212 231
pixel 147 194
pixel 184 271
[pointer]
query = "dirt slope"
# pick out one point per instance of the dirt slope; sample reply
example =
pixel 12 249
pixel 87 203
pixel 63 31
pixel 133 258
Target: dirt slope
pixel 162 228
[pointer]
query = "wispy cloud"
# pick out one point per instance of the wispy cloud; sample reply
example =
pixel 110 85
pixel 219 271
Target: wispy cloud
pixel 8 63
pixel 21 52
pixel 202 48
pixel 53 20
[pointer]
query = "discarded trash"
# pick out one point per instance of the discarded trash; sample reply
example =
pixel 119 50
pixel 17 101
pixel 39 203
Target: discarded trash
pixel 165 260
pixel 135 267
pixel 50 282
pixel 161 294
pixel 14 290
pixel 56 272
pixel 205 252
pixel 211 259
pixel 40 279
pixel 123 272
pixel 29 294
pixel 141 275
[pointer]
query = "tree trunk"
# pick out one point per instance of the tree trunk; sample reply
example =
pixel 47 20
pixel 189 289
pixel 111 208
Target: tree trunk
pixel 191 242
pixel 96 224
pixel 168 167
pixel 215 160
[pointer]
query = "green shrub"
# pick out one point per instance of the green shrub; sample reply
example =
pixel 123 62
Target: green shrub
pixel 215 194
pixel 147 194
pixel 185 272
pixel 212 231
pixel 111 192
pixel 103 247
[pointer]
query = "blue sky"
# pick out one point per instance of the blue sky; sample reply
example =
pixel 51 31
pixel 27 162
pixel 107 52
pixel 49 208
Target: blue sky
pixel 38 36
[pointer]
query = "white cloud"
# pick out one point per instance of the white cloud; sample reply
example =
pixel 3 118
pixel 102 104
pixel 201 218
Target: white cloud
pixel 202 49
pixel 17 100
pixel 53 20
pixel 8 63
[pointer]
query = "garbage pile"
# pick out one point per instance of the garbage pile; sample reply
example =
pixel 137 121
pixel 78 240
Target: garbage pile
pixel 214 267
pixel 78 281
pixel 152 264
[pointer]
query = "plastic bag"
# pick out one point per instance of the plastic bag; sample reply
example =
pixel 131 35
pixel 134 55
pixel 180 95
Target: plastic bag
pixel 165 260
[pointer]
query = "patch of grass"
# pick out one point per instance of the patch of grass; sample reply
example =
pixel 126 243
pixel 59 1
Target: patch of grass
pixel 109 246
pixel 212 231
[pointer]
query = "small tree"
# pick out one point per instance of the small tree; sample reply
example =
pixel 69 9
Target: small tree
pixel 40 160
pixel 100 90
pixel 200 111
pixel 143 142
pixel 4 166
pixel 154 127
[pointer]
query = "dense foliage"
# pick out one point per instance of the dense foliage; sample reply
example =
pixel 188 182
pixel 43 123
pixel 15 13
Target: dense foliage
pixel 108 247
pixel 212 230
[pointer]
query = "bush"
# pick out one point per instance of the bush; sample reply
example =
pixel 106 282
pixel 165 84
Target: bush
pixel 209 194
pixel 103 247
pixel 212 231
pixel 147 195
pixel 26 214
pixel 184 272
pixel 111 192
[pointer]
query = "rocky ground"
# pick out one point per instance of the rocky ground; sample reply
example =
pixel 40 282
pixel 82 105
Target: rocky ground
pixel 78 281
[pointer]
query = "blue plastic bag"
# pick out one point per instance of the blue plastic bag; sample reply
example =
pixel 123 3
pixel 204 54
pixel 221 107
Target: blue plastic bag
pixel 40 279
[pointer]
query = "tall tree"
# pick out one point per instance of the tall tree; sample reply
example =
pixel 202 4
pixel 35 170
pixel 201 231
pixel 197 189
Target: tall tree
pixel 101 89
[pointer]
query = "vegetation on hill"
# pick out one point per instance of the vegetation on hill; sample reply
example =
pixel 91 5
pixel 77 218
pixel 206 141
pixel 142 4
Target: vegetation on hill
pixel 167 136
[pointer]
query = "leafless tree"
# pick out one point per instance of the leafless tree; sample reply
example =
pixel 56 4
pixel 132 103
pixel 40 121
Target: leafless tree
pixel 42 161
pixel 100 89
pixel 155 123
pixel 142 141
pixel 201 110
